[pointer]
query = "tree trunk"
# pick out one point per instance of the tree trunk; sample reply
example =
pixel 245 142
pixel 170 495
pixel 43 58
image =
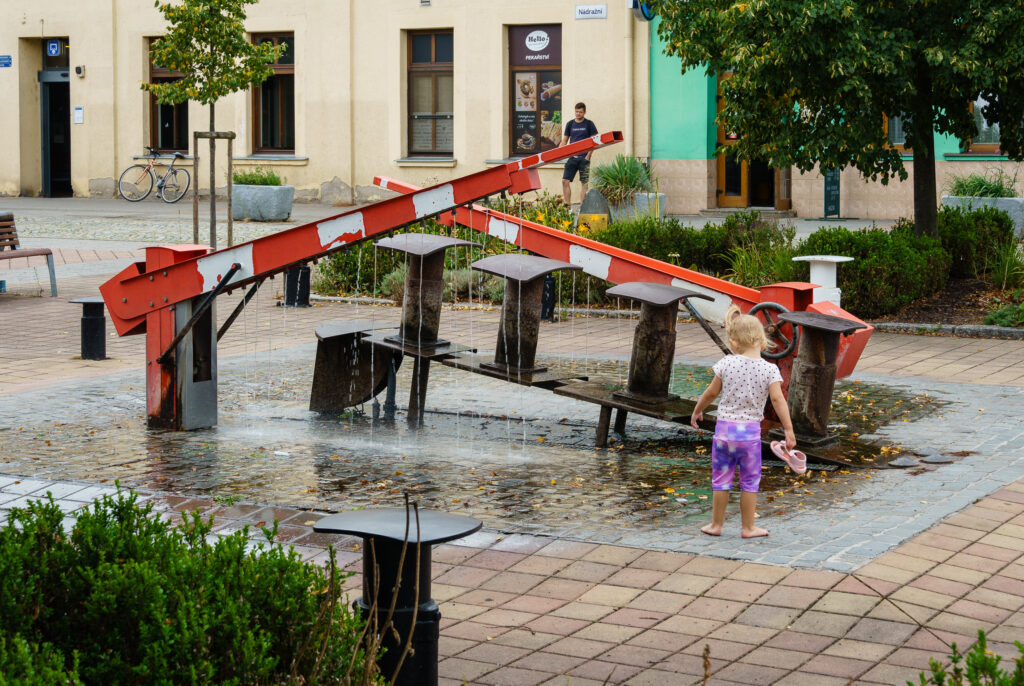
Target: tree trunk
pixel 213 184
pixel 926 216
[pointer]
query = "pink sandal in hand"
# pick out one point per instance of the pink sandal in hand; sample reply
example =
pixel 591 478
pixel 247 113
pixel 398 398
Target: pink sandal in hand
pixel 796 460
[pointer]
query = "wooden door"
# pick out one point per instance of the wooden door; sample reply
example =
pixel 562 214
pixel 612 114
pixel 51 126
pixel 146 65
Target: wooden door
pixel 783 189
pixel 733 174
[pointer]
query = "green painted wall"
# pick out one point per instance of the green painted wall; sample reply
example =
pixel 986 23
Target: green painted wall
pixel 682 107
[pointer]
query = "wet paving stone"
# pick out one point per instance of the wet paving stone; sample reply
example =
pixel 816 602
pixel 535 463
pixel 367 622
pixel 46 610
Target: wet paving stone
pixel 522 460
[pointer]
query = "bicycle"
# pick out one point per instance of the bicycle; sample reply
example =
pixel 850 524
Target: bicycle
pixel 136 182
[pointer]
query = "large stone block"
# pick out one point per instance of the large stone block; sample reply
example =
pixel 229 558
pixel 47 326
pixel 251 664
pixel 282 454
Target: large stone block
pixel 1012 206
pixel 262 203
pixel 640 205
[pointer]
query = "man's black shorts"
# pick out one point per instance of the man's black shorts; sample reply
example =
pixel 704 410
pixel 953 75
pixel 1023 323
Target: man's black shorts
pixel 574 164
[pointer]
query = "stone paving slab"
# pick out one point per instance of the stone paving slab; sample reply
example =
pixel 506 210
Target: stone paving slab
pixel 586 633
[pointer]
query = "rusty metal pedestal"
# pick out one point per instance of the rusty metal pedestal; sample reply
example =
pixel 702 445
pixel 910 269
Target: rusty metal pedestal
pixel 421 309
pixel 650 364
pixel 515 353
pixel 814 373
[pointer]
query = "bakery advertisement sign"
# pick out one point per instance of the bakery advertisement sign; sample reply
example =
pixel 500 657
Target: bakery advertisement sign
pixel 535 45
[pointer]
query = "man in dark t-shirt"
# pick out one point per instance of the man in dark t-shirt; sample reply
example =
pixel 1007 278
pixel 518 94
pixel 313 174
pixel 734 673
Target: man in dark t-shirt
pixel 576 130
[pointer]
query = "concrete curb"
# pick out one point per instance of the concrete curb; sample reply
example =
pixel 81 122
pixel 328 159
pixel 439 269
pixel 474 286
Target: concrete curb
pixel 960 331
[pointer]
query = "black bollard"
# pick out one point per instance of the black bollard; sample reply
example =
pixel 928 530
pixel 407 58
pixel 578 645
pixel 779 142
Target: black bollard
pixel 94 328
pixel 384 534
pixel 296 287
pixel 547 299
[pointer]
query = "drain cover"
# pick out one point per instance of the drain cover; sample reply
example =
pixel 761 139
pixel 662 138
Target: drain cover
pixel 937 458
pixel 903 462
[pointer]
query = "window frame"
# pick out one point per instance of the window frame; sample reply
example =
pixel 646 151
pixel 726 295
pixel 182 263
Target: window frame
pixel 900 147
pixel 158 74
pixel 280 69
pixel 434 69
pixel 981 148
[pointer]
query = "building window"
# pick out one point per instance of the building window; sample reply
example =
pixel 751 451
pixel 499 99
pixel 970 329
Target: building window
pixel 274 100
pixel 168 124
pixel 535 86
pixel 987 138
pixel 431 57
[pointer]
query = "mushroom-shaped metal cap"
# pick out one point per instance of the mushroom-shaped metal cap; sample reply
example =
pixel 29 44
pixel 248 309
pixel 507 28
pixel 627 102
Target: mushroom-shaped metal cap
pixel 822 322
pixel 520 267
pixel 420 243
pixel 654 293
pixel 393 522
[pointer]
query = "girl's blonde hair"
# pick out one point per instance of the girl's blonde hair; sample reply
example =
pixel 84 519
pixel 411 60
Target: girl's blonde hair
pixel 744 330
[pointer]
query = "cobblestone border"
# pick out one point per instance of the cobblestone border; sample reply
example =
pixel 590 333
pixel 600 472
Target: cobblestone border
pixel 961 331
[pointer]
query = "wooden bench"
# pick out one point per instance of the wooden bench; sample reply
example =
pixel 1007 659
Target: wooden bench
pixel 11 249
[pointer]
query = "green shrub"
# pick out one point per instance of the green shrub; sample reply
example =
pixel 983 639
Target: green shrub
pixel 393 284
pixel 996 183
pixel 890 268
pixel 142 601
pixel 1007 315
pixel 979 667
pixel 971 235
pixel 257 176
pixel 28 664
pixel 1005 265
pixel 763 251
pixel 621 178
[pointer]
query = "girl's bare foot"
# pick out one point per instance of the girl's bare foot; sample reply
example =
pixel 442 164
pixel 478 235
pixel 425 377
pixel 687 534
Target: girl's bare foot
pixel 712 530
pixel 754 533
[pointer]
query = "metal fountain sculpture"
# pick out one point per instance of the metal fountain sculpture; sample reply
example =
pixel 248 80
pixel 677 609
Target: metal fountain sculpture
pixel 170 297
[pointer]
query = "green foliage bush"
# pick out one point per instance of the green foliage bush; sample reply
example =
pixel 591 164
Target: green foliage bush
pixel 1005 265
pixel 979 666
pixel 994 184
pixel 29 664
pixel 890 268
pixel 257 176
pixel 621 178
pixel 141 601
pixel 970 237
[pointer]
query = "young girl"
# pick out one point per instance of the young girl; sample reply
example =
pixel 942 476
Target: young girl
pixel 745 382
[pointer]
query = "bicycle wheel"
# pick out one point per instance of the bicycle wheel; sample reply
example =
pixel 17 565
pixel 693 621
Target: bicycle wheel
pixel 136 183
pixel 175 185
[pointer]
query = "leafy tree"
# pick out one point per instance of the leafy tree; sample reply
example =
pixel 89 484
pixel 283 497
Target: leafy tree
pixel 812 79
pixel 206 42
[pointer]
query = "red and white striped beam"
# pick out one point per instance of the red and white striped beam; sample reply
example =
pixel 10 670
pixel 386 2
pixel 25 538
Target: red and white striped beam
pixel 138 291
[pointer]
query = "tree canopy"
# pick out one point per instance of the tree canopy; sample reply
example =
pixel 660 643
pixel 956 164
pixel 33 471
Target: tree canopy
pixel 206 43
pixel 812 80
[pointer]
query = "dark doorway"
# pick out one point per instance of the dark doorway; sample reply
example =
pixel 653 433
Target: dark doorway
pixel 762 185
pixel 55 99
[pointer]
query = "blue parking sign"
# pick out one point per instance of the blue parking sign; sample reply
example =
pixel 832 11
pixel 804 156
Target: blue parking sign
pixel 53 48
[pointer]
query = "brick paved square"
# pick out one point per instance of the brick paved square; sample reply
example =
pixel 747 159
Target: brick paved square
pixel 662 640
pixel 462 670
pixel 585 611
pixel 920 596
pixel 605 672
pixel 768 616
pixel 959 624
pixel 823 623
pixel 845 603
pixel 691 584
pixel 486 598
pixel 549 662
pixel 891 674
pixel 741 591
pixel 493 653
pixel 615 634
pixel 578 647
pixel 474 631
pixel 661 562
pixel 636 578
pixel 559 626
pixel 842 667
pixel 912 657
pixel 606 594
pixel 925 552
pixel 694 626
pixel 742 673
pixel 564 589
pixel 710 566
pixel 720 650
pixel 513 676
pixel 862 650
pixel 613 555
pixel 959 573
pixel 587 571
pixel 643 619
pixel 806 578
pixel 791 596
pixel 526 638
pixel 974 610
pixel 776 657
pixel 660 601
pixel 505 618
pixel 743 633
pixel 713 608
pixel 875 570
pixel 494 559
pixel 897 611
pixel 881 631
pixel 569 550
pixel 635 655
pixel 758 573
pixel 539 564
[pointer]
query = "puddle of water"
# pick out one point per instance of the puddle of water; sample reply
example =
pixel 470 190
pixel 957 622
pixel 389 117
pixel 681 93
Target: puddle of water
pixel 538 474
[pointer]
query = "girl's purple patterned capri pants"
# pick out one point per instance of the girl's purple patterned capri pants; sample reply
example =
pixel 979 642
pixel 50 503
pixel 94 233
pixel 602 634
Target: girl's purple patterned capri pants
pixel 736 444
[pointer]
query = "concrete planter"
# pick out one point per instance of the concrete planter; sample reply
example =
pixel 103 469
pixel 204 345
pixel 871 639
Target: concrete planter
pixel 262 203
pixel 641 205
pixel 1012 206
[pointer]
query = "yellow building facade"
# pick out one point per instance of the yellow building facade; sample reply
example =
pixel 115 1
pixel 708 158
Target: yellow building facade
pixel 422 90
